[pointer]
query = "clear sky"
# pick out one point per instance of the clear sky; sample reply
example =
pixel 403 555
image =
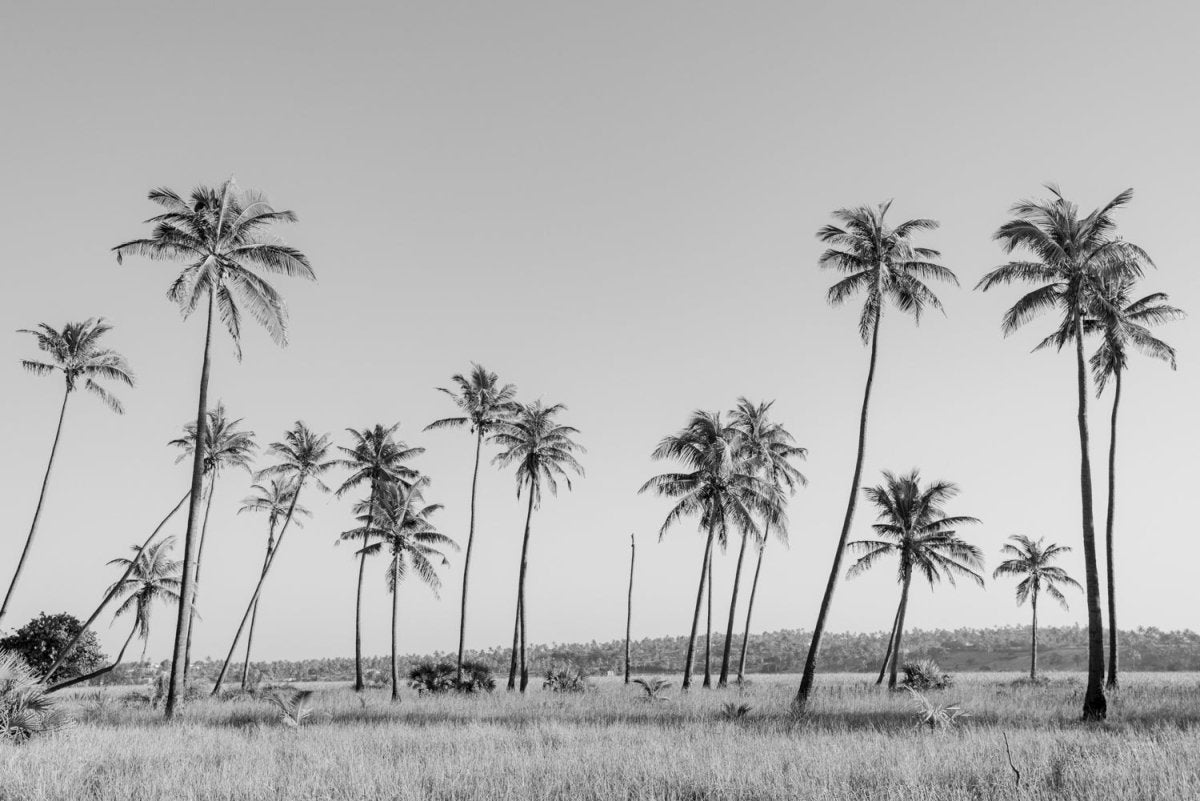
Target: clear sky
pixel 613 206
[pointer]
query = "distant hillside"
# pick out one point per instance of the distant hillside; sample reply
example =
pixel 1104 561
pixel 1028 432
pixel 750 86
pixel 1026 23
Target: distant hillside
pixel 995 649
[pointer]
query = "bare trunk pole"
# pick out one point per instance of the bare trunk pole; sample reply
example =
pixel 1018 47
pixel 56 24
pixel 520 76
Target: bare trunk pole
pixel 1033 643
pixel 900 627
pixel 708 629
pixel 187 661
pixel 359 684
pixel 691 648
pixel 723 680
pixel 462 618
pixel 254 609
pixel 629 603
pixel 517 664
pixel 1095 707
pixel 741 677
pixel 1113 682
pixel 887 656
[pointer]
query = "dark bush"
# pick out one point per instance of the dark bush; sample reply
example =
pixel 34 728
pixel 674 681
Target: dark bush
pixel 925 675
pixel 440 677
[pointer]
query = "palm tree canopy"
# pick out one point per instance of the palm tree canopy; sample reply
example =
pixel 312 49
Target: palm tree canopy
pixel 376 457
pixel 1030 561
pixel 913 524
pixel 542 449
pixel 302 457
pixel 482 399
pixel 155 577
pixel 275 498
pixel 225 444
pixel 403 527
pixel 770 449
pixel 222 235
pixel 1124 324
pixel 75 352
pixel 881 261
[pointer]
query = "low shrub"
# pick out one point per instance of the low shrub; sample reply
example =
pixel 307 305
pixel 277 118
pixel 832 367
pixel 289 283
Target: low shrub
pixel 566 679
pixel 441 677
pixel 926 675
pixel 26 710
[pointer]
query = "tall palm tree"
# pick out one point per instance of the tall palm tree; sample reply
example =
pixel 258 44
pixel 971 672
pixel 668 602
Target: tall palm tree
pixel 720 488
pixel 542 451
pixel 226 446
pixel 151 575
pixel 770 449
pixel 914 526
pixel 221 235
pixel 302 459
pixel 76 353
pixel 275 499
pixel 1031 563
pixel 376 459
pixel 484 403
pixel 882 262
pixel 1072 256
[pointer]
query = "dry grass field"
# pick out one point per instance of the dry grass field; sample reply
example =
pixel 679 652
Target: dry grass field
pixel 857 743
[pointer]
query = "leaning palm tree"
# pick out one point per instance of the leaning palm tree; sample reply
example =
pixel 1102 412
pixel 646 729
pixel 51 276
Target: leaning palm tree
pixel 225 446
pixel 770 448
pixel 76 353
pixel 720 488
pixel 1031 563
pixel 150 576
pixel 376 459
pixel 880 261
pixel 303 459
pixel 275 499
pixel 221 235
pixel 542 450
pixel 913 525
pixel 1072 257
pixel 484 403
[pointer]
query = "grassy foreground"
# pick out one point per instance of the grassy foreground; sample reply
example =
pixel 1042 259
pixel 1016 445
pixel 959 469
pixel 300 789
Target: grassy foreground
pixel 857 743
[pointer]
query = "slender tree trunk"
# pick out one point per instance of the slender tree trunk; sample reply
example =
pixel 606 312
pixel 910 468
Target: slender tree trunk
pixel 737 577
pixel 254 608
pixel 1095 707
pixel 462 619
pixel 522 600
pixel 629 604
pixel 175 688
pixel 1033 643
pixel 362 567
pixel 741 677
pixel 95 674
pixel 187 661
pixel 708 629
pixel 887 656
pixel 1112 683
pixel 112 593
pixel 814 647
pixel 395 627
pixel 512 665
pixel 896 654
pixel 691 649
pixel 37 512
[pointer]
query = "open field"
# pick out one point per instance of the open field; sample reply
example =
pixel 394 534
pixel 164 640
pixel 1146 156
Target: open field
pixel 857 743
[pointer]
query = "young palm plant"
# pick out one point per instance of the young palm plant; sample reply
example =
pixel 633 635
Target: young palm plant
pixel 221 235
pixel 302 459
pixel 484 403
pixel 881 262
pixel 913 526
pixel 1030 562
pixel 542 451
pixel 1073 256
pixel 76 353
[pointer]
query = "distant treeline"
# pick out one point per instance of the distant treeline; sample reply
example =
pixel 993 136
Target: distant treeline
pixel 994 649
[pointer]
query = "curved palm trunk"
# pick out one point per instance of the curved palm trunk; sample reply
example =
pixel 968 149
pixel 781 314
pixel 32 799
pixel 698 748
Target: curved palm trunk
pixel 629 604
pixel 462 619
pixel 258 587
pixel 522 604
pixel 254 609
pixel 887 656
pixel 1095 707
pixel 814 647
pixel 359 684
pixel 900 627
pixel 513 658
pixel 691 649
pixel 37 512
pixel 708 630
pixel 102 671
pixel 1033 641
pixel 395 627
pixel 1112 682
pixel 723 680
pixel 112 593
pixel 741 677
pixel 179 654
pixel 187 661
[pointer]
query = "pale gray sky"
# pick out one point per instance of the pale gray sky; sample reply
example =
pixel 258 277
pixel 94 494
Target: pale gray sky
pixel 613 206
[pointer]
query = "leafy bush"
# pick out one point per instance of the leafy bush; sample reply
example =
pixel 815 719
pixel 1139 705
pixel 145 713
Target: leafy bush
pixel 41 640
pixel 653 688
pixel 926 675
pixel 936 716
pixel 732 711
pixel 440 677
pixel 294 709
pixel 25 709
pixel 566 679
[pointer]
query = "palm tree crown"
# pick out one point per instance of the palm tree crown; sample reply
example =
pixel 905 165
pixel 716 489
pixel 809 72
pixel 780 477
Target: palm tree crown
pixel 768 446
pixel 225 444
pixel 76 353
pixel 1124 323
pixel 403 527
pixel 542 449
pixel 302 457
pixel 482 399
pixel 155 577
pixel 274 498
pixel 376 458
pixel 1030 561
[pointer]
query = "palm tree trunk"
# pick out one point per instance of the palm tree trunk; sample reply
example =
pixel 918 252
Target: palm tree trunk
pixel 1095 707
pixel 112 593
pixel 522 604
pixel 891 646
pixel 1033 642
pixel 362 567
pixel 187 661
pixel 395 626
pixel 900 627
pixel 259 587
pixel 37 512
pixel 691 649
pixel 102 671
pixel 708 630
pixel 629 603
pixel 462 619
pixel 814 646
pixel 737 577
pixel 741 677
pixel 254 609
pixel 176 686
pixel 512 665
pixel 1112 682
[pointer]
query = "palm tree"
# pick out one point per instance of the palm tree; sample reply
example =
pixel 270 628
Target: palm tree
pixel 303 459
pixel 882 262
pixel 542 450
pixel 225 445
pixel 377 460
pixel 1072 258
pixel 150 576
pixel 275 498
pixel 914 526
pixel 720 488
pixel 769 447
pixel 484 403
pixel 1031 563
pixel 221 235
pixel 75 352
